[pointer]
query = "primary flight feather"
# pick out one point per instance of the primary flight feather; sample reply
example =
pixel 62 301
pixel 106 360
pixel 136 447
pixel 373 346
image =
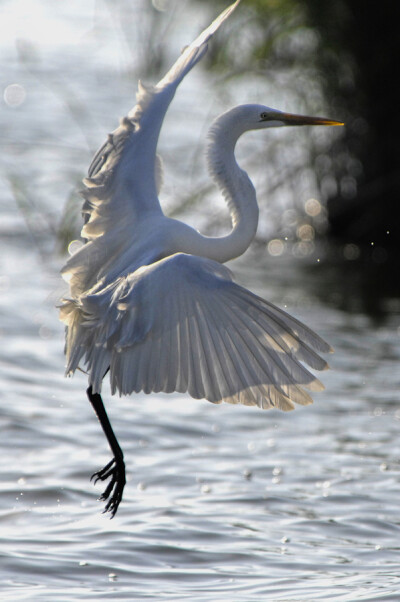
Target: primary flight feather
pixel 151 302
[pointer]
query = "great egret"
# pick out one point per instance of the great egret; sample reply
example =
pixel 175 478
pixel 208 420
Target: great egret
pixel 150 301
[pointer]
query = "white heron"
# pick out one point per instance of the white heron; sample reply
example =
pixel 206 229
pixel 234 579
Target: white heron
pixel 150 299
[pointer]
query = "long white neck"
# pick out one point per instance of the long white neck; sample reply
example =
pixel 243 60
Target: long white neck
pixel 236 188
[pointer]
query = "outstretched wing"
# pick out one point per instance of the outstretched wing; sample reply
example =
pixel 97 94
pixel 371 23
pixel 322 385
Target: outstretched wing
pixel 125 174
pixel 181 324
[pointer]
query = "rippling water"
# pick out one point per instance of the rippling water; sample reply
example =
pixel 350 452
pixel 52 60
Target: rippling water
pixel 222 502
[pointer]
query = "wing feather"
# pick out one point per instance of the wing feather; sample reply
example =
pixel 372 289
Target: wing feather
pixel 279 341
pixel 171 360
pixel 229 370
pixel 195 357
pixel 214 373
pixel 183 325
pixel 125 174
pixel 269 362
pixel 245 360
pixel 258 372
pixel 114 185
pixel 285 320
pixel 286 331
pixel 183 356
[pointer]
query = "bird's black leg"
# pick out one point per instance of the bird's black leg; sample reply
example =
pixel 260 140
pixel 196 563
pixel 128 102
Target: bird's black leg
pixel 115 470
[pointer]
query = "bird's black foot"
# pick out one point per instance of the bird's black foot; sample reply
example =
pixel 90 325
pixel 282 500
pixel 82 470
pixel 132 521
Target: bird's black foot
pixel 114 470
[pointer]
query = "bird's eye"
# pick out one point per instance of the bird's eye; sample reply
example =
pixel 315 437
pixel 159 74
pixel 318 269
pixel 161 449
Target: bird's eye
pixel 264 116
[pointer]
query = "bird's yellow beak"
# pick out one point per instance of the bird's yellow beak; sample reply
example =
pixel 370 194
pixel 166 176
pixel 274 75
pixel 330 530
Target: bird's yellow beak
pixel 291 119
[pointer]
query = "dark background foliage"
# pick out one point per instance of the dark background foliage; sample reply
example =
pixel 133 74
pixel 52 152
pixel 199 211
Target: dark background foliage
pixel 355 57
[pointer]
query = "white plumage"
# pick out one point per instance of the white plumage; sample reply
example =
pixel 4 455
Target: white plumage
pixel 150 300
pixel 181 324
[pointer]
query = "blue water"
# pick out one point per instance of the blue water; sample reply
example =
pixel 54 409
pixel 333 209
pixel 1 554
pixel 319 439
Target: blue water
pixel 222 502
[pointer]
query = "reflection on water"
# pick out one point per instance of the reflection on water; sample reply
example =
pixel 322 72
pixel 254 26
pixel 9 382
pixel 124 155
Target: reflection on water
pixel 222 502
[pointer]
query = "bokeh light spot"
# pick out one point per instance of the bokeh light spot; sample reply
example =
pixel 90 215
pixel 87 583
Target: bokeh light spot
pixel 74 246
pixel 305 232
pixel 312 207
pixel 276 247
pixel 14 95
pixel 351 252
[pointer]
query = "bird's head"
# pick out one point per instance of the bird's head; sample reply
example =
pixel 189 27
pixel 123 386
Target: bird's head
pixel 247 117
pixel 229 126
pixel 259 117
